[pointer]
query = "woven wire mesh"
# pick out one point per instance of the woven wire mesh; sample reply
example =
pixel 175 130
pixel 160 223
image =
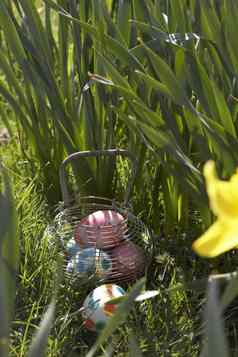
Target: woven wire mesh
pixel 118 260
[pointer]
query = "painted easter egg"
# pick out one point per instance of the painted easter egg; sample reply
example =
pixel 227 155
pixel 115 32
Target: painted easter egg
pixel 128 261
pixel 96 309
pixel 103 264
pixel 101 229
pixel 72 247
pixel 83 262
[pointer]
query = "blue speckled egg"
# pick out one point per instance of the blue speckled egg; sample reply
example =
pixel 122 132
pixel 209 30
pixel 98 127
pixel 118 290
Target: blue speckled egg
pixel 103 263
pixel 82 263
pixel 72 248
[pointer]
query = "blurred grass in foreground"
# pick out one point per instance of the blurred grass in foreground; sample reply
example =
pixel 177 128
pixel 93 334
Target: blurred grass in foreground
pixel 9 262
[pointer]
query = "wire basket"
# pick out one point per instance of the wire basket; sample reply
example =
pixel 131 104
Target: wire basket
pixel 101 239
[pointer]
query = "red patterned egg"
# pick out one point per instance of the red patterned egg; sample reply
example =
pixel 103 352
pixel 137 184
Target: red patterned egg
pixel 102 229
pixel 128 261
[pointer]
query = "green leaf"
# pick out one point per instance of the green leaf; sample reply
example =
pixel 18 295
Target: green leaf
pixel 4 313
pixel 11 34
pixel 39 343
pixel 9 255
pixel 177 16
pixel 109 43
pixel 123 17
pixel 225 115
pixel 229 15
pixel 167 77
pixel 153 83
pixel 230 293
pixel 9 243
pixel 134 349
pixel 12 80
pixel 215 339
pixel 37 31
pixel 165 140
pixel 141 11
pixel 6 208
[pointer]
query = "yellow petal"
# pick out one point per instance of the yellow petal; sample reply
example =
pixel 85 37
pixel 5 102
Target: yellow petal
pixel 219 238
pixel 223 195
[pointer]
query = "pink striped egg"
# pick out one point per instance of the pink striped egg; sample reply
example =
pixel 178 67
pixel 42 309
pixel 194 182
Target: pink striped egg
pixel 102 229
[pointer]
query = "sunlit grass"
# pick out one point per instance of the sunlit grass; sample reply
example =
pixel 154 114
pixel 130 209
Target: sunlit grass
pixel 153 325
pixel 170 98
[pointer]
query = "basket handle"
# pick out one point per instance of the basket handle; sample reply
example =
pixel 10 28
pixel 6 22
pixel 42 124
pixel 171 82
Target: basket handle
pixel 96 153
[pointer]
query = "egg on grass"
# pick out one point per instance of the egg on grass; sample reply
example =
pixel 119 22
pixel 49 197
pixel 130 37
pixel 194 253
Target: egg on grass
pixel 102 229
pixel 97 308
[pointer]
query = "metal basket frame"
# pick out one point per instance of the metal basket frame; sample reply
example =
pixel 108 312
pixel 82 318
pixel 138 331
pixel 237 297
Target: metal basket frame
pixel 73 212
pixel 67 199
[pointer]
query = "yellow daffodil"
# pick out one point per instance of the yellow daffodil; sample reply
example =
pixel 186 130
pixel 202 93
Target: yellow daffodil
pixel 223 196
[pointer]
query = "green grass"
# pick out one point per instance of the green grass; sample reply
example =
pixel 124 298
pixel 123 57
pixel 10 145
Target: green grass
pixel 169 324
pixel 162 324
pixel 173 104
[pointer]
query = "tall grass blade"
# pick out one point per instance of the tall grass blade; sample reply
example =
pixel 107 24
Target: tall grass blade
pixel 215 339
pixel 230 293
pixel 134 349
pixel 39 343
pixel 167 76
pixel 123 17
pixel 4 316
pixel 8 261
pixel 9 242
